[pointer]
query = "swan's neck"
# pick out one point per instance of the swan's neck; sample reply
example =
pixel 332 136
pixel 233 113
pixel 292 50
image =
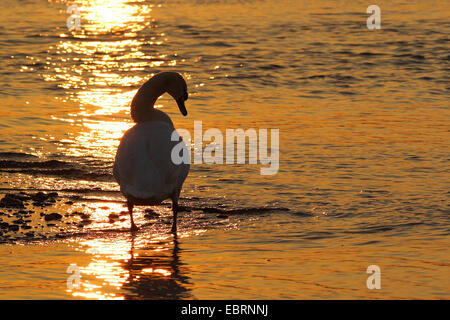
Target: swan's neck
pixel 142 106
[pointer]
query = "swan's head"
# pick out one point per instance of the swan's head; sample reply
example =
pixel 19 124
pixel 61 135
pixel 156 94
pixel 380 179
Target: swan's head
pixel 168 81
pixel 176 86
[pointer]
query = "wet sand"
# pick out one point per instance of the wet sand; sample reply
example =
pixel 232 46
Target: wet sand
pixel 34 216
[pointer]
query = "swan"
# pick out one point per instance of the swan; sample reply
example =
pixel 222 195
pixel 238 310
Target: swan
pixel 143 166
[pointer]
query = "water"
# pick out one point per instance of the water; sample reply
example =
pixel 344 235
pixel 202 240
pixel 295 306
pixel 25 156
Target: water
pixel 363 177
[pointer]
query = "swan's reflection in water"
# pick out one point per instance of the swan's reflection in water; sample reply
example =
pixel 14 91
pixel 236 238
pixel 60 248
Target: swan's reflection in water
pixel 156 274
pixel 126 266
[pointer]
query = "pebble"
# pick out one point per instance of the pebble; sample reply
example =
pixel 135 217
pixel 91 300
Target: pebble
pixel 41 199
pixel 11 201
pixel 53 216
pixel 211 210
pixel 14 227
pixel 84 216
pixel 113 217
pixel 150 214
pixel 185 209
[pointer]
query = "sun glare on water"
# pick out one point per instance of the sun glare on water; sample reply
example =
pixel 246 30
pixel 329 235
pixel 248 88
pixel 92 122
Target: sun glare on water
pixel 100 66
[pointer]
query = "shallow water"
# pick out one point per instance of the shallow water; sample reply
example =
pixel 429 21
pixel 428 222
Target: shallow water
pixel 363 176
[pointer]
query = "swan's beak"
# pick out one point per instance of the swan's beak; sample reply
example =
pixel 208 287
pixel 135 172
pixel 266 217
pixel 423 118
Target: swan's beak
pixel 182 107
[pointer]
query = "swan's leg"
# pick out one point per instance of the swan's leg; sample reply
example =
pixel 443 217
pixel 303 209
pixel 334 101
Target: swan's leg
pixel 175 212
pixel 130 210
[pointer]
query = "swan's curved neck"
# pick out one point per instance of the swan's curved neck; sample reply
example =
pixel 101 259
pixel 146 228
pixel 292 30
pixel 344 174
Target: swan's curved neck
pixel 142 106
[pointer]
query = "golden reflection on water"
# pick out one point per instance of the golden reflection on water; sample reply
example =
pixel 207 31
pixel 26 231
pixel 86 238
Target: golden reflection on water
pixel 115 16
pixel 99 216
pixel 101 277
pixel 131 267
pixel 97 141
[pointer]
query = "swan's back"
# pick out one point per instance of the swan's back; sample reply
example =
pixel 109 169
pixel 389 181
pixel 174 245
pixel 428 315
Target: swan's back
pixel 143 166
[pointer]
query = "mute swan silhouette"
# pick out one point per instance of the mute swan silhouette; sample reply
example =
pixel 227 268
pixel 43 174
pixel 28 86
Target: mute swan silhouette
pixel 143 166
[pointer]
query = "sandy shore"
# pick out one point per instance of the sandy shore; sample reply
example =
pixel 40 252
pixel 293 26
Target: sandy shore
pixel 35 216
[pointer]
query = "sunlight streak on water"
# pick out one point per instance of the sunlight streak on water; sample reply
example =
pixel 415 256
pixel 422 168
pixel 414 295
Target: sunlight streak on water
pixel 105 16
pixel 121 263
pixel 97 71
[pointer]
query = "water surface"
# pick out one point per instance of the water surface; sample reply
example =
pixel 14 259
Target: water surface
pixel 363 119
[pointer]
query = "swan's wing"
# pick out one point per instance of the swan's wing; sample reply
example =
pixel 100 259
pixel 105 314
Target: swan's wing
pixel 143 166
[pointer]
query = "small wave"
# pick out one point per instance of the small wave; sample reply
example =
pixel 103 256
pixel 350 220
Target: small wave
pixel 26 164
pixel 219 44
pixel 319 76
pixel 272 66
pixel 377 229
pixel 412 56
pixel 71 173
pixel 32 164
pixel 370 54
pixel 319 235
pixel 233 211
pixel 302 214
pixel 9 155
pixel 426 78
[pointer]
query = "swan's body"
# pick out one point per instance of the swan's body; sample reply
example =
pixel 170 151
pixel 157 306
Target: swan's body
pixel 143 166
